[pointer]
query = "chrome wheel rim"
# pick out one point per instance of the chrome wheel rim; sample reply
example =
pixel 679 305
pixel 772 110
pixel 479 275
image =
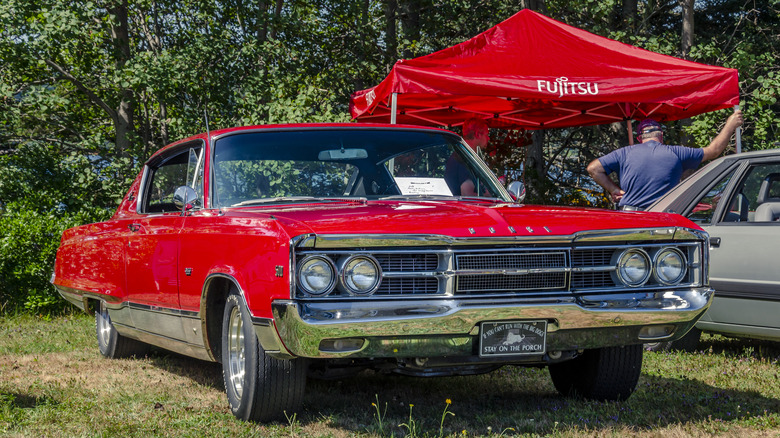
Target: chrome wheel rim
pixel 236 352
pixel 104 325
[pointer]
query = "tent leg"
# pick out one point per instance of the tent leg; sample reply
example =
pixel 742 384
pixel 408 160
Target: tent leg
pixel 630 128
pixel 393 108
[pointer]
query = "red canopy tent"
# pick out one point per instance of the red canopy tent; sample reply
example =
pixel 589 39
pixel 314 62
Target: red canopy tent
pixel 533 72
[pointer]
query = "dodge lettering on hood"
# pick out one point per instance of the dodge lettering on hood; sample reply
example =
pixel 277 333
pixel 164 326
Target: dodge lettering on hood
pixel 293 251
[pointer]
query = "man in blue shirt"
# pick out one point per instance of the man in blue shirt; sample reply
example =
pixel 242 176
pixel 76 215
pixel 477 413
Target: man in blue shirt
pixel 648 170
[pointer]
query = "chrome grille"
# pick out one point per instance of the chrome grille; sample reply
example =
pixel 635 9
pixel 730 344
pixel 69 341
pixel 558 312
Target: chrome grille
pixel 509 283
pixel 592 257
pixel 407 262
pixel 408 286
pixel 514 275
pixel 534 260
pixel 587 280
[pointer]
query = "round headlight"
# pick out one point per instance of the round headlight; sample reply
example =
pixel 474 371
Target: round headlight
pixel 360 275
pixel 316 275
pixel 633 267
pixel 670 266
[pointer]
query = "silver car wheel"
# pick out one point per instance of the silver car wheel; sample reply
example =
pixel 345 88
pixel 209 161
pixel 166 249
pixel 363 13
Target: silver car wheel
pixel 236 351
pixel 104 325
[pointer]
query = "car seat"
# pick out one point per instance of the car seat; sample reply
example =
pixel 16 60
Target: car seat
pixel 768 209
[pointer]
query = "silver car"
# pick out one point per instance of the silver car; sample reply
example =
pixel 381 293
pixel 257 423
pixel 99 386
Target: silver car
pixel 736 199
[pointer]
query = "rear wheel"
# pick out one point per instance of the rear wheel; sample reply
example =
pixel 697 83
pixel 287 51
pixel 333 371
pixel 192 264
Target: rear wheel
pixel 609 373
pixel 110 342
pixel 259 387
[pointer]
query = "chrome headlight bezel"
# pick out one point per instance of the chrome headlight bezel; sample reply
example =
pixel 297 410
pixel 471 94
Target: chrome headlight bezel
pixel 657 259
pixel 627 256
pixel 304 282
pixel 348 277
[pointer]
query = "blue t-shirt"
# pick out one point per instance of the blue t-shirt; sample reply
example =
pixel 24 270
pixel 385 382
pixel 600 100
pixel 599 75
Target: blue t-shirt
pixel 649 170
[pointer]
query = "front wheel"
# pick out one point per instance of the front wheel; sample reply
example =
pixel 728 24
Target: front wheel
pixel 110 343
pixel 609 373
pixel 259 387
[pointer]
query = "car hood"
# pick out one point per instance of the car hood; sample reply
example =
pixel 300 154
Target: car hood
pixel 456 219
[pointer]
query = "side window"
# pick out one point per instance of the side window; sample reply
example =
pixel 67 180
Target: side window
pixel 705 207
pixel 183 168
pixel 757 198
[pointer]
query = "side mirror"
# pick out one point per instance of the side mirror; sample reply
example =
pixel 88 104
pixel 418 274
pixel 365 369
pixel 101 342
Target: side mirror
pixel 184 198
pixel 517 189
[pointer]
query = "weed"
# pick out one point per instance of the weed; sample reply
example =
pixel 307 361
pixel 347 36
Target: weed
pixel 412 427
pixel 444 414
pixel 379 415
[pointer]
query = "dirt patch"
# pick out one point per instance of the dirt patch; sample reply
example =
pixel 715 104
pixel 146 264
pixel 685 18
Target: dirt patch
pixel 179 381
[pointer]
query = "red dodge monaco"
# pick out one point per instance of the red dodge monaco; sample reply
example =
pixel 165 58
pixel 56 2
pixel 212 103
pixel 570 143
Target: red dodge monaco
pixel 291 251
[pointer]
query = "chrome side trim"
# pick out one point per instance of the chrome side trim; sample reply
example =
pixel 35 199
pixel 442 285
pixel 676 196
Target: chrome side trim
pixel 344 241
pixel 80 298
pixel 204 295
pixel 574 322
pixel 175 345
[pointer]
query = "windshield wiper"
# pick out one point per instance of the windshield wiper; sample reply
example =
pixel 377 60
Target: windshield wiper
pixel 281 199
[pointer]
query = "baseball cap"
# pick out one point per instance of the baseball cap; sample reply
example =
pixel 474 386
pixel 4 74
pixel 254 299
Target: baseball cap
pixel 647 126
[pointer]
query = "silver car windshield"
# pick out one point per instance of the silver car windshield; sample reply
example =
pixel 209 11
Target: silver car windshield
pixel 332 165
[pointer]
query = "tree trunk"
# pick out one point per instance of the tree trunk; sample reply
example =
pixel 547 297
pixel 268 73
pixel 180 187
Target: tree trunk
pixel 120 35
pixel 277 18
pixel 359 83
pixel 534 168
pixel 535 5
pixel 410 23
pixel 629 13
pixel 391 38
pixel 686 42
pixel 262 22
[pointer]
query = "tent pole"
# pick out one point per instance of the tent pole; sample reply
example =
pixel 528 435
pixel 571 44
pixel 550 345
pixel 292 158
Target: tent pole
pixel 739 134
pixel 629 124
pixel 393 107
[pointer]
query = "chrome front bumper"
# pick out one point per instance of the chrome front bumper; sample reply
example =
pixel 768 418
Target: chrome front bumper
pixel 450 327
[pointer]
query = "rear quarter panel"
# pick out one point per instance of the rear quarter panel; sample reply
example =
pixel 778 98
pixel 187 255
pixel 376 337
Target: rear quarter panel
pixel 91 259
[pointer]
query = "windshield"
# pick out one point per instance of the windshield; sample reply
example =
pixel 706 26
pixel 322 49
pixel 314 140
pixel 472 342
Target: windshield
pixel 341 164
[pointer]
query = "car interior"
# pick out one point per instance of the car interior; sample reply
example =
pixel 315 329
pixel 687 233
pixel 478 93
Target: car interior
pixel 768 209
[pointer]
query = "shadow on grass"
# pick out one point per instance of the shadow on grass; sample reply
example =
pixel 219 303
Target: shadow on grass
pixel 24 401
pixel 512 400
pixel 740 347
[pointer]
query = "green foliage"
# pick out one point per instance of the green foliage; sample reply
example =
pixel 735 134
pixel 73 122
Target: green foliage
pixel 41 197
pixel 28 244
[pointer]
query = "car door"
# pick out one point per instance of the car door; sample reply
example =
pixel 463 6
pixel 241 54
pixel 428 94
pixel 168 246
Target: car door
pixel 744 249
pixel 152 252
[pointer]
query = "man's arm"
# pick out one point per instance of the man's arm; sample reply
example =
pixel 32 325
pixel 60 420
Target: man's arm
pixel 597 172
pixel 719 143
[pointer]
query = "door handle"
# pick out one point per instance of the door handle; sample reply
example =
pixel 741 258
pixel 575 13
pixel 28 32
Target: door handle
pixel 134 227
pixel 714 242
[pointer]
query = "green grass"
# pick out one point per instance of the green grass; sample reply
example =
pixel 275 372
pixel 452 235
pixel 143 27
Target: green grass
pixel 53 382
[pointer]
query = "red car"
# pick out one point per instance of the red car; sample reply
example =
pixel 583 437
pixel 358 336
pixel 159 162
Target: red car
pixel 291 251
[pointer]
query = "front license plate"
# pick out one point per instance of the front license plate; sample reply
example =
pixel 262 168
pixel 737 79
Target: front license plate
pixel 512 338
